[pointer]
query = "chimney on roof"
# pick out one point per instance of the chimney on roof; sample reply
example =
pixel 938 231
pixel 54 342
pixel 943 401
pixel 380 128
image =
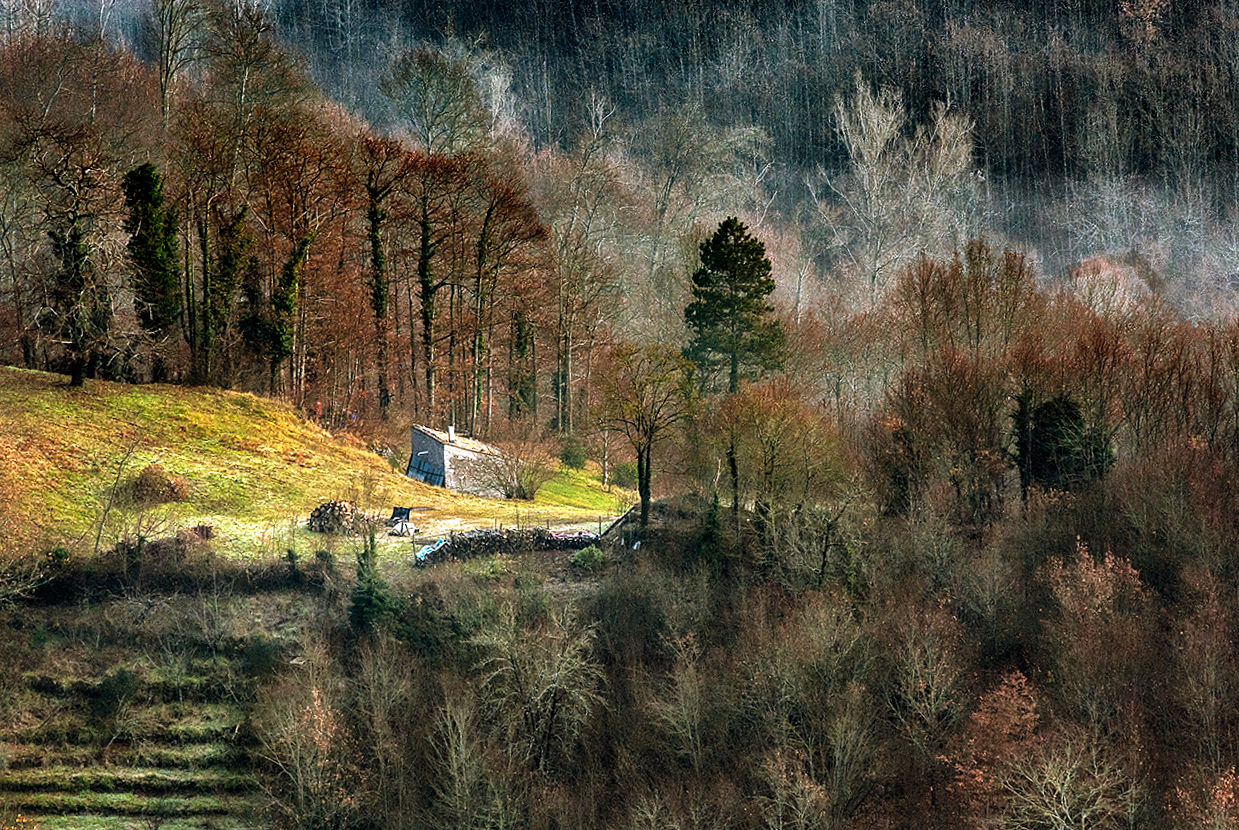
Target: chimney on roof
pixel 451 435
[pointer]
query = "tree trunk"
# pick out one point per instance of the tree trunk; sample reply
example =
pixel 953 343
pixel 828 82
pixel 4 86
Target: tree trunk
pixel 375 216
pixel 412 349
pixel 643 483
pixel 206 344
pixel 428 289
pixel 77 371
pixel 734 470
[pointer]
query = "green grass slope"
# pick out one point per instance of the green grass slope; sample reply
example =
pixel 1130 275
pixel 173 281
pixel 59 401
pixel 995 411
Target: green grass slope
pixel 82 750
pixel 254 468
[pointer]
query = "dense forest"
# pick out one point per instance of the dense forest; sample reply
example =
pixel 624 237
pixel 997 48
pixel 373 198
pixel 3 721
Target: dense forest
pixel 963 553
pixel 432 167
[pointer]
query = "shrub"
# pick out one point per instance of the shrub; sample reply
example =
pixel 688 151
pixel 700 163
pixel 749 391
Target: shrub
pixel 588 558
pixel 114 692
pixel 155 486
pixel 260 657
pixel 533 602
pixel 486 568
pixel 624 474
pixel 629 612
pixel 424 624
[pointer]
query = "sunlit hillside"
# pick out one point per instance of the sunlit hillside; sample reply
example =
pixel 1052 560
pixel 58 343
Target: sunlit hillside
pixel 251 468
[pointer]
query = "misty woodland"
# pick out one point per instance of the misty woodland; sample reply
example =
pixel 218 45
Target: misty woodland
pixel 915 324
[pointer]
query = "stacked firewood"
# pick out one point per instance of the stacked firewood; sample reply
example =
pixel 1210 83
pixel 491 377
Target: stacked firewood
pixel 575 540
pixel 341 518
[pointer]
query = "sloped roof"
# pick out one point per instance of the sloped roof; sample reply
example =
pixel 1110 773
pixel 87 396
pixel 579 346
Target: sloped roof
pixel 469 444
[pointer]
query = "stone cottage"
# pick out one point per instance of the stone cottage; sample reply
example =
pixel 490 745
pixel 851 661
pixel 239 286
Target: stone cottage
pixel 441 458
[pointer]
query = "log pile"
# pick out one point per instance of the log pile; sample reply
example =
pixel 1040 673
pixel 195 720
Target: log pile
pixel 341 518
pixel 475 544
pixel 572 540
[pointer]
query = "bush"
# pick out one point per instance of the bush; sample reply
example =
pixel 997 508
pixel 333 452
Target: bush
pixel 572 453
pixel 113 693
pixel 624 474
pixel 629 612
pixel 155 486
pixel 260 657
pixel 587 559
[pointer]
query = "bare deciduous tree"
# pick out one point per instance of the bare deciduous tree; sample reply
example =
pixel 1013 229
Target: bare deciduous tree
pixel 468 794
pixel 435 96
pixel 681 709
pixel 175 28
pixel 524 463
pixel 543 683
pixel 306 742
pixel 645 393
pixel 902 194
pixel 1067 782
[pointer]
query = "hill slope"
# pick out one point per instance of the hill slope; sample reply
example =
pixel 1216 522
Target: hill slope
pixel 254 468
pixel 132 705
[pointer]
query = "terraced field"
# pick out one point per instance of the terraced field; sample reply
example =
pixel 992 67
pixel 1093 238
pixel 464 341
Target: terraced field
pixel 112 718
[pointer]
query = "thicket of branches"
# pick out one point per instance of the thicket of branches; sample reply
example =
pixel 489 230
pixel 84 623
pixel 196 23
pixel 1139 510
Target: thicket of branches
pixel 1001 597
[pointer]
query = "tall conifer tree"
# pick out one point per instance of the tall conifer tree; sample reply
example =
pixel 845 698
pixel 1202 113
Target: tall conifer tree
pixel 728 323
pixel 728 318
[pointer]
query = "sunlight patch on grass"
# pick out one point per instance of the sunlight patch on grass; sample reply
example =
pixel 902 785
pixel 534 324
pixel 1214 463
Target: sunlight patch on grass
pixel 582 489
pixel 117 803
pixel 77 779
pixel 90 822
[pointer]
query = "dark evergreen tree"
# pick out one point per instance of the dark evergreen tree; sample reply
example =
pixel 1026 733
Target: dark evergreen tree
pixel 522 376
pixel 80 303
pixel 370 603
pixel 235 266
pixel 1054 447
pixel 728 322
pixel 710 545
pixel 728 319
pixel 153 251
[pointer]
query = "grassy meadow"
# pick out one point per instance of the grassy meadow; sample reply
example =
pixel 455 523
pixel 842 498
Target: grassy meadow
pixel 253 469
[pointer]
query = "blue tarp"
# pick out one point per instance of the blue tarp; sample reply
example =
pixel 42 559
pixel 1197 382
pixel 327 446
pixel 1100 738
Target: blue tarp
pixel 426 550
